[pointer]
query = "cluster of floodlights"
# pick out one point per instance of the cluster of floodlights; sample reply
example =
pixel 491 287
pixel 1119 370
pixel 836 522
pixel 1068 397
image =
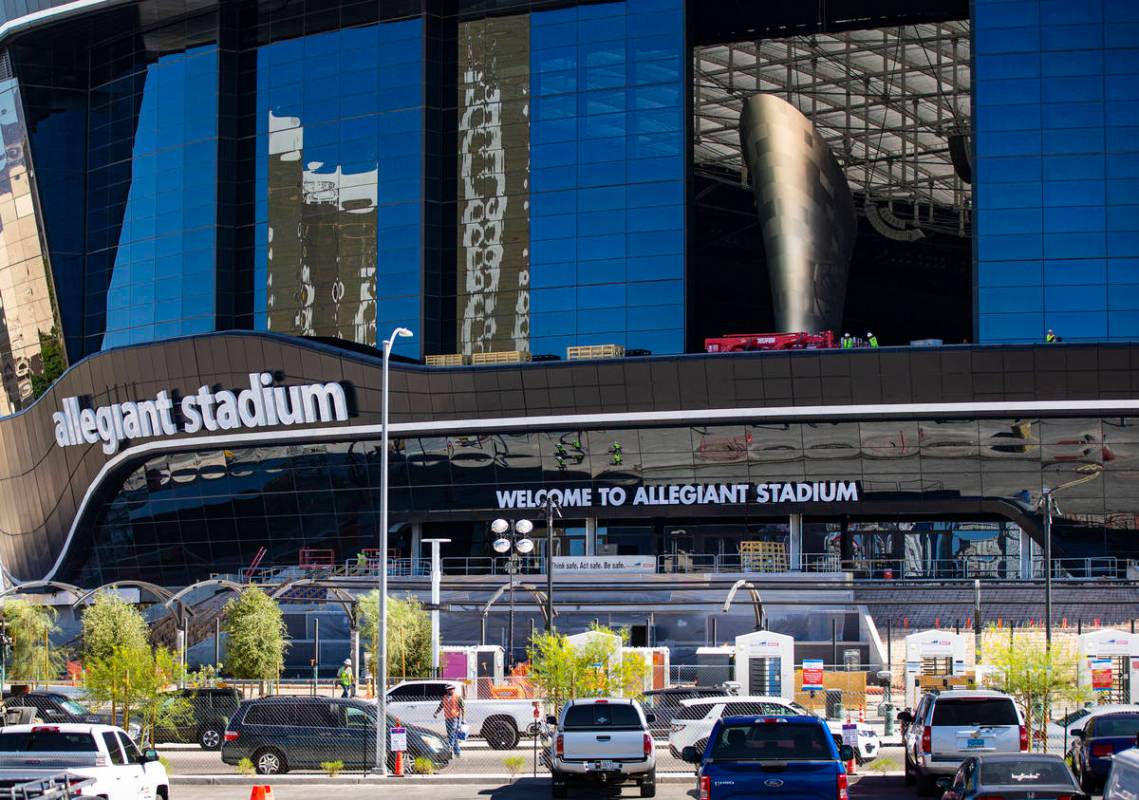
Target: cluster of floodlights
pixel 522 528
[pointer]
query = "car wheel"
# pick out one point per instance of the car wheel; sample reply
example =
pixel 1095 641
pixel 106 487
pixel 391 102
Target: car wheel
pixel 500 734
pixel 1087 783
pixel 910 779
pixel 209 738
pixel 927 785
pixel 270 762
pixel 649 785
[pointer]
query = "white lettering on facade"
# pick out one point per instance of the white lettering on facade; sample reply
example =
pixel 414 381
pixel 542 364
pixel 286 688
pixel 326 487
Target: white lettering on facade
pixel 262 404
pixel 686 494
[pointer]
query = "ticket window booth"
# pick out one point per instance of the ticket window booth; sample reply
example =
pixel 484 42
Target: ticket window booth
pixel 715 666
pixel 931 658
pixel 1109 663
pixel 765 664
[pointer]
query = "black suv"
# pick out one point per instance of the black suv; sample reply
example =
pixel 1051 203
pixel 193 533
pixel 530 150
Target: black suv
pixel 197 715
pixel 56 707
pixel 295 732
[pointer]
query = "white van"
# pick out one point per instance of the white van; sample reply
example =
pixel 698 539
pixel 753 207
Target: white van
pixel 1123 780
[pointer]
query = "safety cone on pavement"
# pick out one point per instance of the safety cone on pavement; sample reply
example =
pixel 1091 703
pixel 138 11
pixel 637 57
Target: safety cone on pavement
pixel 398 763
pixel 261 793
pixel 861 712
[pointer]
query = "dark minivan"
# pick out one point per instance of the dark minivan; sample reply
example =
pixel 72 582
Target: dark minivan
pixel 197 715
pixel 291 732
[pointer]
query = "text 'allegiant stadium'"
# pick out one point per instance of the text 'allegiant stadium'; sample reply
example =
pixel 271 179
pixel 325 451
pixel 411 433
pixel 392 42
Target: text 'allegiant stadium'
pixel 261 405
pixel 684 494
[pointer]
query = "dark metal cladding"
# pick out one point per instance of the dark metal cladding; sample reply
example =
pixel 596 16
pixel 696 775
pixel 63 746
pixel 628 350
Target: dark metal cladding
pixel 806 211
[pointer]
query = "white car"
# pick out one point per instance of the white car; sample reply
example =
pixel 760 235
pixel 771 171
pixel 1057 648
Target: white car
pixel 603 742
pixel 947 728
pixel 693 722
pixel 103 753
pixel 499 722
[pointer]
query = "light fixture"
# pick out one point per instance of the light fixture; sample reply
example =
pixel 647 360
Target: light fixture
pixel 523 526
pixel 524 546
pixel 501 545
pixel 499 526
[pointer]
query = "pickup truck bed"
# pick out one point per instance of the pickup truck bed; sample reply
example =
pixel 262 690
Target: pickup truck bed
pixel 605 741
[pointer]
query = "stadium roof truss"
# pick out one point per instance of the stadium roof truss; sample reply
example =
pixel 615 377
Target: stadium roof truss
pixel 893 104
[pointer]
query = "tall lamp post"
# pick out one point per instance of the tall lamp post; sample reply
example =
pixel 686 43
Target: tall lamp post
pixel 1088 472
pixel 382 654
pixel 552 507
pixel 521 543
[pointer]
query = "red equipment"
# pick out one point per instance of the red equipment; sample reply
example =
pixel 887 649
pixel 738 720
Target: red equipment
pixel 740 342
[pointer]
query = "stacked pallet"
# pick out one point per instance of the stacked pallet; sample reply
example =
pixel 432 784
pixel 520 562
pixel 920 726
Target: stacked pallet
pixel 585 351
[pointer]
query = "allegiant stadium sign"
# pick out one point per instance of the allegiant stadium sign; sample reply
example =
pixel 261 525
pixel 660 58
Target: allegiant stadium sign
pixel 684 494
pixel 261 405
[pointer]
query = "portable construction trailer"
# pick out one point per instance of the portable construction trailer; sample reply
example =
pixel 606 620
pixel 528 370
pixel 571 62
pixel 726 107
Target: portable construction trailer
pixel 656 662
pixel 606 650
pixel 1109 664
pixel 932 656
pixel 765 664
pixel 715 666
pixel 475 665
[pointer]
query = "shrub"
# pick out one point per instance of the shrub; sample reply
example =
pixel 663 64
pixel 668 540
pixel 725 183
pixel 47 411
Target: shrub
pixel 882 765
pixel 423 765
pixel 245 767
pixel 332 768
pixel 514 765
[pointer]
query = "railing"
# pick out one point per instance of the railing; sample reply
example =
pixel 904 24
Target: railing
pixel 963 568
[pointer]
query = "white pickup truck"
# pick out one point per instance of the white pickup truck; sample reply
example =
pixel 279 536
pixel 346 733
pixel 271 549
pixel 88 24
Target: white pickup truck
pixel 102 753
pixel 499 722
pixel 604 741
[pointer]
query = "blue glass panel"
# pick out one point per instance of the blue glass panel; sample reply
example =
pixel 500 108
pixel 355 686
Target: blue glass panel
pixel 1010 273
pixel 1059 272
pixel 1005 299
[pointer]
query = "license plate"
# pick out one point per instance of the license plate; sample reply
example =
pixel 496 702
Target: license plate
pixel 605 766
pixel 972 743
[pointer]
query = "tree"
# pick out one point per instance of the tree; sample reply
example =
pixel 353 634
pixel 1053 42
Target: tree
pixel 257 640
pixel 133 680
pixel 1032 675
pixel 409 634
pixel 111 622
pixel 596 667
pixel 30 627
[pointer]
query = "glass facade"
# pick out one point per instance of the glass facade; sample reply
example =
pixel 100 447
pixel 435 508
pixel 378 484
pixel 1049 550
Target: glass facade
pixel 1057 169
pixel 182 515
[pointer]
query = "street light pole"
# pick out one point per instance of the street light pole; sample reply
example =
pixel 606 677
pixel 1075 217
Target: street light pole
pixel 381 669
pixel 513 547
pixel 551 507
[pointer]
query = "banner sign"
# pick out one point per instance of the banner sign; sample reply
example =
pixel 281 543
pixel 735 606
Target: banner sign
pixel 398 740
pixel 812 674
pixel 1102 675
pixel 261 405
pixel 604 565
pixel 684 494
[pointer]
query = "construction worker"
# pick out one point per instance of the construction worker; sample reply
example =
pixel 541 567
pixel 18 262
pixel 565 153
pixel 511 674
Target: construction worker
pixel 1050 337
pixel 452 707
pixel 847 341
pixel 871 339
pixel 345 678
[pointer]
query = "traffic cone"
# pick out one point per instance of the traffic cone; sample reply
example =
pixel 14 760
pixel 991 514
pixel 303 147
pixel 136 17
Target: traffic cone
pixel 399 763
pixel 261 793
pixel 862 712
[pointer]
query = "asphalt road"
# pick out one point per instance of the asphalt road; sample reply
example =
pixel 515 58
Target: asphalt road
pixel 868 787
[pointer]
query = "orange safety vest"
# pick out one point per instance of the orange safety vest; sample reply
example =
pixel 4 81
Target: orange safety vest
pixel 452 707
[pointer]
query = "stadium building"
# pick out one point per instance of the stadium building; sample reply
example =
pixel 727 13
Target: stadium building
pixel 212 214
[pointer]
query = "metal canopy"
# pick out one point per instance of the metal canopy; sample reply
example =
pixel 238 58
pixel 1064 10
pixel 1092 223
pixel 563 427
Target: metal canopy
pixel 887 101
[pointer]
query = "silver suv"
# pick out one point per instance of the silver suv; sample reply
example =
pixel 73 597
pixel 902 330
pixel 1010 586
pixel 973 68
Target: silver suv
pixel 947 728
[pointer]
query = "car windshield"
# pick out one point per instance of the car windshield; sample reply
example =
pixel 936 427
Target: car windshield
pixel 974 711
pixel 47 741
pixel 1024 773
pixel 602 715
pixel 75 709
pixel 772 741
pixel 1116 726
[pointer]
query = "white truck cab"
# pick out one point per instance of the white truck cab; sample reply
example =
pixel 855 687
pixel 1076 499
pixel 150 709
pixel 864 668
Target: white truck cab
pixel 499 722
pixel 604 741
pixel 103 753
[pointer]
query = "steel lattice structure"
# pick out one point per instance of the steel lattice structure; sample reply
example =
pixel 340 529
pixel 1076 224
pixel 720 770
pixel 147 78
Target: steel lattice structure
pixel 887 101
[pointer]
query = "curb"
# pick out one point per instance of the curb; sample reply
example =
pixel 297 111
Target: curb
pixel 354 780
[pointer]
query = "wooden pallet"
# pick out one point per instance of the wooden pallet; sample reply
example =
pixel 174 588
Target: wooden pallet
pixel 763 556
pixel 447 360
pixel 507 357
pixel 584 351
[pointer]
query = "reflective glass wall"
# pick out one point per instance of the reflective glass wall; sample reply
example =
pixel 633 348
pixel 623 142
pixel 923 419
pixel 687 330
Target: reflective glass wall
pixel 1057 169
pixel 179 517
pixel 572 179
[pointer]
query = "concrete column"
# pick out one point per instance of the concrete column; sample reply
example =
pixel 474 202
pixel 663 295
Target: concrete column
pixel 795 541
pixel 416 539
pixel 591 536
pixel 1026 545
